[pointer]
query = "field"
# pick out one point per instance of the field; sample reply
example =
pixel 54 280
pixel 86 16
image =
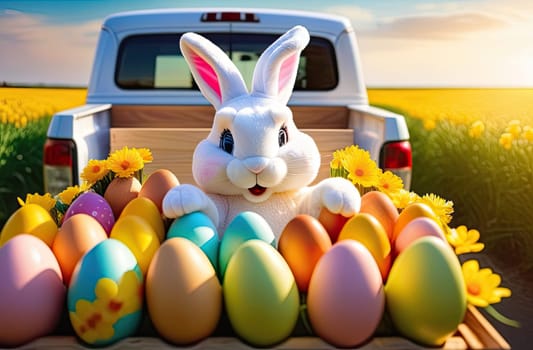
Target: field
pixel 470 146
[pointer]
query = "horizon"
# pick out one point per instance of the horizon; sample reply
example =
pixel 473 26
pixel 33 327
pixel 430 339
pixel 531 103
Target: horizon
pixel 403 44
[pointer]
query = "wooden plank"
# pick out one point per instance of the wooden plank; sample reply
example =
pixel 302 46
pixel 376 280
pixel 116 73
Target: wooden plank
pixel 477 330
pixel 172 148
pixel 180 116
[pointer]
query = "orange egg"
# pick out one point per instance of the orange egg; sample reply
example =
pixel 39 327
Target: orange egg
pixel 302 243
pixel 415 229
pixel 367 230
pixel 77 235
pixel 382 208
pixel 156 186
pixel 333 223
pixel 120 192
pixel 412 211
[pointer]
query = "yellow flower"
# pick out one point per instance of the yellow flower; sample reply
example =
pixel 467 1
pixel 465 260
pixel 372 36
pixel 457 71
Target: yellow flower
pixel 145 154
pixel 441 207
pixel 403 198
pixel 464 240
pixel 506 140
pixel 388 182
pixel 514 128
pixel 68 194
pixel 476 129
pixel 528 133
pixel 125 162
pixel 482 285
pixel 46 200
pixel 429 124
pixel 336 162
pixel 94 170
pixel 362 170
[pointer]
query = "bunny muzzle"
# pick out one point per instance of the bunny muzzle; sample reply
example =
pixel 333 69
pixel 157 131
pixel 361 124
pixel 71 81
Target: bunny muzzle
pixel 257 176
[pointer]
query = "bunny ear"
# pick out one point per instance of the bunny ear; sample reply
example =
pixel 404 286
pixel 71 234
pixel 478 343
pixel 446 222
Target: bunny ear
pixel 276 69
pixel 216 75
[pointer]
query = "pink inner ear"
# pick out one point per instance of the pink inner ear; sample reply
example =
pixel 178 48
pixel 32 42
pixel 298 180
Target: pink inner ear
pixel 285 71
pixel 207 73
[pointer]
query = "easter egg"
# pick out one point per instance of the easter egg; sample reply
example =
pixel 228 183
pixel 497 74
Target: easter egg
pixel 415 229
pixel 426 292
pixel 105 296
pixel 245 226
pixel 346 301
pixel 139 237
pixel 146 209
pixel 183 293
pixel 78 234
pixel 367 230
pixel 380 206
pixel 260 294
pixel 32 293
pixel 411 212
pixel 333 223
pixel 198 228
pixel 95 205
pixel 32 219
pixel 302 243
pixel 156 186
pixel 120 192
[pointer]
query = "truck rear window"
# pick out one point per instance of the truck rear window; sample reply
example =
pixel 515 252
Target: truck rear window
pixel 154 61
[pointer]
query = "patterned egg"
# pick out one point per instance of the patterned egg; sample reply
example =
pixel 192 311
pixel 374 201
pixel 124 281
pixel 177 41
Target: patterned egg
pixel 105 296
pixel 95 205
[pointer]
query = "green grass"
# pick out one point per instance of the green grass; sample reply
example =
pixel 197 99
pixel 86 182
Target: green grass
pixel 491 187
pixel 21 155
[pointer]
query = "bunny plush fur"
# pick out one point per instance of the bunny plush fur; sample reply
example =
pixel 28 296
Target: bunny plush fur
pixel 255 158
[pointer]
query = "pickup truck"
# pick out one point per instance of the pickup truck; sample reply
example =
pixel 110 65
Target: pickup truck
pixel 141 92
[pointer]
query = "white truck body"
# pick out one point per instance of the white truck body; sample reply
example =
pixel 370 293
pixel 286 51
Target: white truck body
pixel 84 132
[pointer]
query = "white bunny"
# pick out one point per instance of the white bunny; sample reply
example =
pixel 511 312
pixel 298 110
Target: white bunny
pixel 254 158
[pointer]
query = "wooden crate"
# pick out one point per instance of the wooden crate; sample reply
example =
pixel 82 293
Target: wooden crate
pixel 474 333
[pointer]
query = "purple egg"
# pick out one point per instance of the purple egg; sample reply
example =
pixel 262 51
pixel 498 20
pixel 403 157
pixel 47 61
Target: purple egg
pixel 95 205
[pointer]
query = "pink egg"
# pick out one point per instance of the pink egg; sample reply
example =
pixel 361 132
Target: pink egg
pixel 415 229
pixel 346 300
pixel 32 294
pixel 95 205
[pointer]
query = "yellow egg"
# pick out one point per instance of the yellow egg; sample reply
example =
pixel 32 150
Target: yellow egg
pixel 146 209
pixel 412 211
pixel 183 294
pixel 366 229
pixel 139 237
pixel 32 219
pixel 156 186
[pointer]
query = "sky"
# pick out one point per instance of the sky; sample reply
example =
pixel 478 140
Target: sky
pixel 463 43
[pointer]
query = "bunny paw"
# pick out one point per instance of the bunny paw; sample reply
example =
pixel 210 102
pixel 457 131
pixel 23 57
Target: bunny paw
pixel 339 196
pixel 184 199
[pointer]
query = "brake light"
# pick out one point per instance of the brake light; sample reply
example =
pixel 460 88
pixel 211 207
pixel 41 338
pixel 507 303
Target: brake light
pixel 395 155
pixel 58 165
pixel 229 17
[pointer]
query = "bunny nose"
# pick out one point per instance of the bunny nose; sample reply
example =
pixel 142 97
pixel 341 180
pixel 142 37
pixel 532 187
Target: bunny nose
pixel 256 164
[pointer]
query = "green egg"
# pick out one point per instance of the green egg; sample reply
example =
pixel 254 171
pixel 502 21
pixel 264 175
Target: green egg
pixel 425 292
pixel 260 294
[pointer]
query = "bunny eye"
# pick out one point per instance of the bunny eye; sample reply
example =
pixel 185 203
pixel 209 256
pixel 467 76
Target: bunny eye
pixel 283 136
pixel 226 141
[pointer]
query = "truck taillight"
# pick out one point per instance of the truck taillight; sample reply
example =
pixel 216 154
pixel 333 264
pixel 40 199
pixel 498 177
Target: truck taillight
pixel 397 157
pixel 229 17
pixel 58 165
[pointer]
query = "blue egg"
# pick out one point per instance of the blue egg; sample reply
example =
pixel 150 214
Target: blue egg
pixel 198 228
pixel 245 226
pixel 105 298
